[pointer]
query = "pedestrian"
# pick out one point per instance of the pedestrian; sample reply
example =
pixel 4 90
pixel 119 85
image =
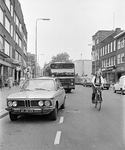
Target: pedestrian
pixel 22 80
pixel 10 82
pixel 1 82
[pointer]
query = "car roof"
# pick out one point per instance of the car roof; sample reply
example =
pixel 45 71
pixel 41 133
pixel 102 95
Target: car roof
pixel 44 78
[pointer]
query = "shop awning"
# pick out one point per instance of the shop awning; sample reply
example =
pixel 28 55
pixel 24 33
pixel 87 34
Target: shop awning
pixel 13 61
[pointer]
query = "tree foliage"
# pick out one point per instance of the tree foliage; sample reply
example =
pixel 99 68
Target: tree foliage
pixel 63 57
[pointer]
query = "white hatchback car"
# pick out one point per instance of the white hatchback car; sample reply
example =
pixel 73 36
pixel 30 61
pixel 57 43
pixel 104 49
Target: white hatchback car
pixel 120 85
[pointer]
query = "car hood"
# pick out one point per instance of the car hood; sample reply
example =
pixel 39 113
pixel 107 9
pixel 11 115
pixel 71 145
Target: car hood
pixel 32 94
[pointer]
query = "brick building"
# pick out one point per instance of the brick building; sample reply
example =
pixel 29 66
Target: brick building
pixel 13 40
pixel 104 51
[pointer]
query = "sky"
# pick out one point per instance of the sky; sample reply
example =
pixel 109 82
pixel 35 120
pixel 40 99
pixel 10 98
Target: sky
pixel 71 26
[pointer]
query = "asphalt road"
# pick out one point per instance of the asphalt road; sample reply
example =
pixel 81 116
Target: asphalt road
pixel 79 127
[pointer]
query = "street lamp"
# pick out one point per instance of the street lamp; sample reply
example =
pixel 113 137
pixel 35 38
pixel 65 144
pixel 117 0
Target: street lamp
pixel 44 19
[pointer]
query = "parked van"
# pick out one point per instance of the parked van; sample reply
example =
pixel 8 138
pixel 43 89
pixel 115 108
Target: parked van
pixel 120 85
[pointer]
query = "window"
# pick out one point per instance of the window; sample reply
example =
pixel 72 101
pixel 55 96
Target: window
pixel 114 60
pixel 101 52
pixel 16 55
pixel 1 16
pixel 1 44
pixel 17 21
pixel 122 58
pixel 10 54
pixel 105 49
pixel 7 24
pixel 108 49
pixel 119 45
pixel 114 45
pixel 12 30
pixel 17 38
pixel 122 43
pixel 14 17
pixel 111 47
pixel 11 10
pixel 7 2
pixel 20 43
pixel 19 58
pixel 118 59
pixel 7 48
pixel 111 61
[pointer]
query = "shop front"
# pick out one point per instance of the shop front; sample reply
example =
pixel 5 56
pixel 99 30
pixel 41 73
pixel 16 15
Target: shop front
pixel 109 74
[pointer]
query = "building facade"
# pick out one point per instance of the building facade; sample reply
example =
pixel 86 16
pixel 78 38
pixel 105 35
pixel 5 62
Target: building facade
pixel 83 68
pixel 120 54
pixel 13 40
pixel 105 55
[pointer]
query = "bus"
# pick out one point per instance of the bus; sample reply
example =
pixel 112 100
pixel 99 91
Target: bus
pixel 65 72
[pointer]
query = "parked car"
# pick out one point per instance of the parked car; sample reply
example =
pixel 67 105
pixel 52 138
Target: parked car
pixel 40 96
pixel 106 85
pixel 87 83
pixel 120 85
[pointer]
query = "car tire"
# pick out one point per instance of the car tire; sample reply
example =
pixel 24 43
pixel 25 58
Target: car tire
pixel 13 117
pixel 53 114
pixel 108 88
pixel 63 105
pixel 122 92
pixel 114 90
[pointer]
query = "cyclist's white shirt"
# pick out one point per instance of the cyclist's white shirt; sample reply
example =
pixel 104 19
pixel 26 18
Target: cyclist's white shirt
pixel 97 80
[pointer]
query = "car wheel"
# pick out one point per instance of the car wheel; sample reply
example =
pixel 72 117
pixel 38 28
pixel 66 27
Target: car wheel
pixel 53 114
pixel 63 105
pixel 13 117
pixel 114 90
pixel 107 88
pixel 122 92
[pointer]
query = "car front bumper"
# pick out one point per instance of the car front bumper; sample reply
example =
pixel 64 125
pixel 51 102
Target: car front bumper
pixel 32 111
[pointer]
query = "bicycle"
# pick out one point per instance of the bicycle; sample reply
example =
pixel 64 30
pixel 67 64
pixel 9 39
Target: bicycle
pixel 98 98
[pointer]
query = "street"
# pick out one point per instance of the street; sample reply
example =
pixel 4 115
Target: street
pixel 80 126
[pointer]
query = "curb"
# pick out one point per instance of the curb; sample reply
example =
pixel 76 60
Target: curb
pixel 3 114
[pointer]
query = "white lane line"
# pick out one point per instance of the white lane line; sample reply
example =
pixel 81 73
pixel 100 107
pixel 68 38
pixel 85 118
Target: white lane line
pixel 61 120
pixel 57 138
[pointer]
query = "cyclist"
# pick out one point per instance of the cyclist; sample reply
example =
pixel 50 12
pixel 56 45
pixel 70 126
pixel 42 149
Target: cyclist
pixel 97 80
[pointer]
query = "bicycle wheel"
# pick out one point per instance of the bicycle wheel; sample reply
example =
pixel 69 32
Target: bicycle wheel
pixel 99 103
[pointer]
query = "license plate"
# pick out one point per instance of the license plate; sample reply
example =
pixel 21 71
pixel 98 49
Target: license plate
pixel 26 110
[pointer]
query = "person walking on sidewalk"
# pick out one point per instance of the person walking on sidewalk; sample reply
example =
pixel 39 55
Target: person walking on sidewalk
pixel 1 82
pixel 10 82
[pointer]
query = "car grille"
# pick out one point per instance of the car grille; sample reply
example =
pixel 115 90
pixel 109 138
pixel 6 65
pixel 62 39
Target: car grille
pixel 66 81
pixel 27 103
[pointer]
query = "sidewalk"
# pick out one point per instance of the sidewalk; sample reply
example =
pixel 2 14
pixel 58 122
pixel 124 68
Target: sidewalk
pixel 3 94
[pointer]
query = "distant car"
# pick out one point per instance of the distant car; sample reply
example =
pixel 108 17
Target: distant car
pixel 38 96
pixel 120 85
pixel 106 85
pixel 87 83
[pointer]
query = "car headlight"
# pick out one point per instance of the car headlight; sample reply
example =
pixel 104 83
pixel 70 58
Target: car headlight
pixel 47 103
pixel 40 103
pixel 71 83
pixel 10 103
pixel 14 104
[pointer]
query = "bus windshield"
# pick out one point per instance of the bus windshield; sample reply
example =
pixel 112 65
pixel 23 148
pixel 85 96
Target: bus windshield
pixel 62 70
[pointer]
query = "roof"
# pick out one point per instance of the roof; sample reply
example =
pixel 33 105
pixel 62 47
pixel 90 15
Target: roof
pixel 120 34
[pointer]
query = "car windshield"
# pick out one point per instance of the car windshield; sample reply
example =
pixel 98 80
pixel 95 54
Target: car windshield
pixel 40 84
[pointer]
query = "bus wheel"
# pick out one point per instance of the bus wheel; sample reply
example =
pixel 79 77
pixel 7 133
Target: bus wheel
pixel 69 90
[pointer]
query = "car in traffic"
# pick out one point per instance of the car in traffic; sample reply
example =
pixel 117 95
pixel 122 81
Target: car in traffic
pixel 120 85
pixel 106 85
pixel 38 96
pixel 87 83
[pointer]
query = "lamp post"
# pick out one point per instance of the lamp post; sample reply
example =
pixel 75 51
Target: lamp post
pixel 44 19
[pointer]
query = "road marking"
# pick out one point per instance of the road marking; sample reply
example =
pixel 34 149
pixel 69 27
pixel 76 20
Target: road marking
pixel 61 120
pixel 57 138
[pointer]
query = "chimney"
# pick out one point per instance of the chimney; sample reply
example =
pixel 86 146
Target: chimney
pixel 118 30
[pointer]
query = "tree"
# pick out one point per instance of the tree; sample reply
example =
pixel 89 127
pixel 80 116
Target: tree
pixel 63 57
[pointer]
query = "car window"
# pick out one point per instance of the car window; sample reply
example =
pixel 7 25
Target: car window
pixel 39 84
